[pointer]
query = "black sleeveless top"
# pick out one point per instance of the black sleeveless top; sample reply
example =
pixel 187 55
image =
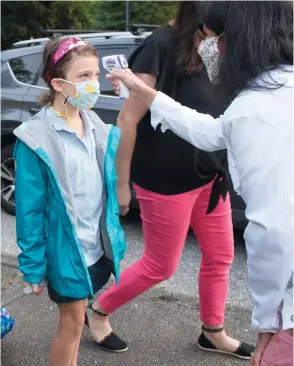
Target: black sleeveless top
pixel 163 162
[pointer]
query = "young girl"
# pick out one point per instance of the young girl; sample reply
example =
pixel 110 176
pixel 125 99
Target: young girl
pixel 66 209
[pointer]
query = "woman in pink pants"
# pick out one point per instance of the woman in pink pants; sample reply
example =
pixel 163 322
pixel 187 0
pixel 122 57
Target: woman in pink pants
pixel 251 57
pixel 177 185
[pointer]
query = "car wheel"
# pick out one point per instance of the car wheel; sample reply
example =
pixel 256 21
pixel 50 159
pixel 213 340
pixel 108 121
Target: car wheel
pixel 8 179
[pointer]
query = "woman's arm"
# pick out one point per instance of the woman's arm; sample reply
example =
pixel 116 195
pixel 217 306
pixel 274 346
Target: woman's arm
pixel 128 121
pixel 264 159
pixel 146 62
pixel 30 199
pixel 201 130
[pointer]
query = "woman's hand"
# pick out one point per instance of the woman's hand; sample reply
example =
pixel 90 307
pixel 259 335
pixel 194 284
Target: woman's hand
pixel 262 343
pixel 138 89
pixel 124 197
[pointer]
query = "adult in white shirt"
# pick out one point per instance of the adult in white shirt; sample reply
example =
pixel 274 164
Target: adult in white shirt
pixel 252 59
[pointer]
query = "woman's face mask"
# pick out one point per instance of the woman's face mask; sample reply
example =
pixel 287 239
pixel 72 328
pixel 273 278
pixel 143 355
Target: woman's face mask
pixel 211 57
pixel 87 93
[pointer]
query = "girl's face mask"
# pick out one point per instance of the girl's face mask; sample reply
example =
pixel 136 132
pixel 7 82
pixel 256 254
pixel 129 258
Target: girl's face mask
pixel 87 93
pixel 211 57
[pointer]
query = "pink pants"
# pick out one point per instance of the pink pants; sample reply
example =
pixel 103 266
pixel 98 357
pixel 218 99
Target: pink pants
pixel 279 351
pixel 166 221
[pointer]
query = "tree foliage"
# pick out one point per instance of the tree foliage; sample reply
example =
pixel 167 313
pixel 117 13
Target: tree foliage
pixel 111 14
pixel 22 20
pixel 73 14
pixel 25 19
pixel 153 12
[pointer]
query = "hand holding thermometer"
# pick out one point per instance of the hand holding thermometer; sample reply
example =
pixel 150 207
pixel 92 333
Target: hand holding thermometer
pixel 116 63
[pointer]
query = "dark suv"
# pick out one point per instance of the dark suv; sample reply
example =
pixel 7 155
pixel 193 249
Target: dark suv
pixel 22 84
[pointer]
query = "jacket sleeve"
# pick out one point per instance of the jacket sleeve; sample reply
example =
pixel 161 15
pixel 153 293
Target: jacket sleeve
pixel 200 130
pixel 264 159
pixel 30 199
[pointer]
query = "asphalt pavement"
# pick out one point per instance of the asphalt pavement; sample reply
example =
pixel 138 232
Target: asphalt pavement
pixel 160 326
pixel 185 280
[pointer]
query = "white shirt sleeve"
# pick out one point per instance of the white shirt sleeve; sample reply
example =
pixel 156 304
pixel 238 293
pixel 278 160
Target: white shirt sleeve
pixel 264 159
pixel 201 130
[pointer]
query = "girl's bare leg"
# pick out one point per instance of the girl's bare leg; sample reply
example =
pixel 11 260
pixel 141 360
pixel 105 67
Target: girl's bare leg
pixel 65 345
pixel 74 361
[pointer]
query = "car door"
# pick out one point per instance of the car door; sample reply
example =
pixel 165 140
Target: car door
pixel 36 88
pixel 23 71
pixel 12 90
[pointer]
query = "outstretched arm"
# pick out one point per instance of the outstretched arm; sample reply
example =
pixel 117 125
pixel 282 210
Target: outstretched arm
pixel 201 130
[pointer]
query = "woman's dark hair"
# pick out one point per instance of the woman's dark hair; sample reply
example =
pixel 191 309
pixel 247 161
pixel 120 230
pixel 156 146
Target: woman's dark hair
pixel 186 25
pixel 258 37
pixel 59 70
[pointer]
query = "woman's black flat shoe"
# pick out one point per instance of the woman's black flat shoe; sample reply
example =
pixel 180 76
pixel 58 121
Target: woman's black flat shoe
pixel 244 351
pixel 111 343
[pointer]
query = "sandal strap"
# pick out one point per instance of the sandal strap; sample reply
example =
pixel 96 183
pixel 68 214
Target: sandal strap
pixel 97 312
pixel 212 330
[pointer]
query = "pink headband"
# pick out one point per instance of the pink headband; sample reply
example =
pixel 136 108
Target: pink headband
pixel 64 47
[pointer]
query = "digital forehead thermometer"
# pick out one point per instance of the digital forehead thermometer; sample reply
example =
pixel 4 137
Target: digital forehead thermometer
pixel 117 63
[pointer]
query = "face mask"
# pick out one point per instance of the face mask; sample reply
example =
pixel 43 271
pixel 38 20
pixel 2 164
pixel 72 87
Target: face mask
pixel 87 93
pixel 211 57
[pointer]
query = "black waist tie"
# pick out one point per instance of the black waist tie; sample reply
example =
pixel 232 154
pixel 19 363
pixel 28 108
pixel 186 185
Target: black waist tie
pixel 219 188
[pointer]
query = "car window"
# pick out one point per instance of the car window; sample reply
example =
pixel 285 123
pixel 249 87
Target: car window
pixel 105 86
pixel 41 82
pixel 25 68
pixel 6 79
pixel 20 68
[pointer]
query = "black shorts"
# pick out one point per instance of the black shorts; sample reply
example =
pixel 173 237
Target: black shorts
pixel 100 273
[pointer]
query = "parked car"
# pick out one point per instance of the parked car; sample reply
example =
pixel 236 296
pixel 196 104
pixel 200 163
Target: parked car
pixel 21 85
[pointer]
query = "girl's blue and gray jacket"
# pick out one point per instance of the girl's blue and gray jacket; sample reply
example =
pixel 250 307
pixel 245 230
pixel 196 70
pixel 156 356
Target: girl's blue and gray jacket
pixel 45 213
